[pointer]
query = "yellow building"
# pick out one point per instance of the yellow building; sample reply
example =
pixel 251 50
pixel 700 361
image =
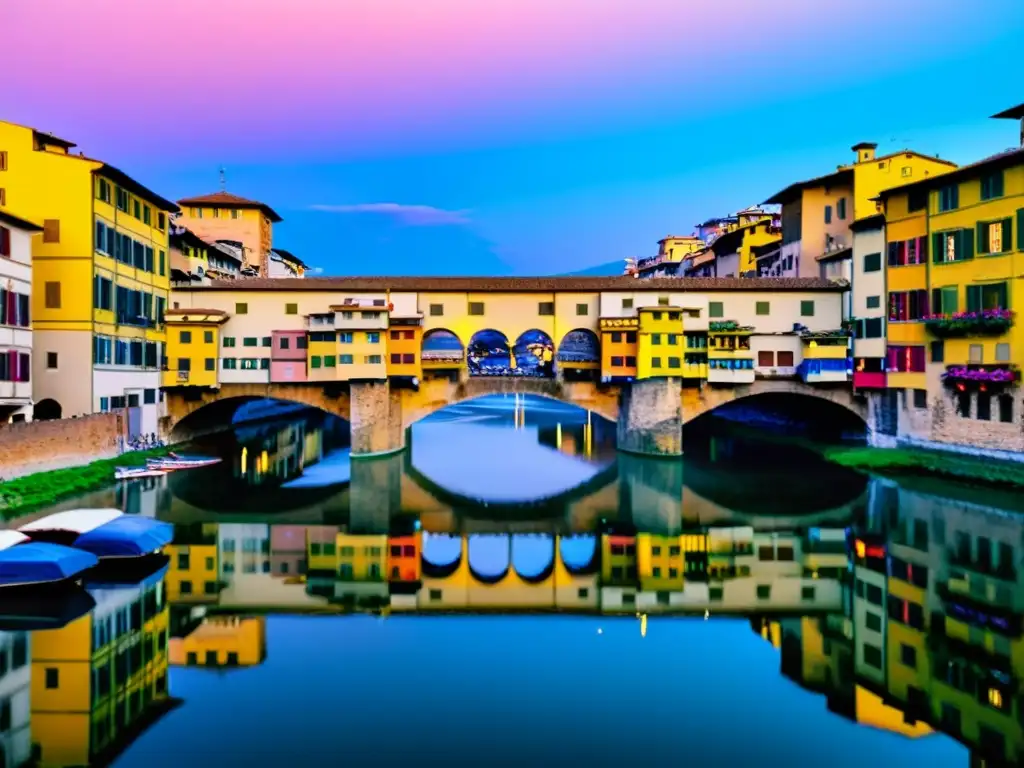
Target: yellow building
pixel 362 557
pixel 955 249
pixel 224 216
pixel 672 250
pixel 734 251
pixel 619 347
pixel 348 343
pixel 193 345
pixel 222 641
pixel 193 260
pixel 817 213
pixel 96 679
pixel 660 562
pixel 101 278
pixel 404 347
pixel 659 342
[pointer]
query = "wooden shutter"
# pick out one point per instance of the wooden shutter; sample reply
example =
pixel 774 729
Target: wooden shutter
pixel 1007 234
pixel 965 246
pixel 982 237
pixel 1020 229
pixel 51 230
pixel 53 295
pixel 938 251
pixel 5 241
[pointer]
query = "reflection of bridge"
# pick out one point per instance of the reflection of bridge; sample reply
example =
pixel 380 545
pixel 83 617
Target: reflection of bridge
pixel 650 413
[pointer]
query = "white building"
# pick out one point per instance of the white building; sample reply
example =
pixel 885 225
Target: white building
pixel 285 264
pixel 15 320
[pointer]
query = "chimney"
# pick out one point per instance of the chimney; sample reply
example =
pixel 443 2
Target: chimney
pixel 1014 113
pixel 865 151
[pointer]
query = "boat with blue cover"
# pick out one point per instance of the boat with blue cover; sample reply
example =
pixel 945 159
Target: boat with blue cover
pixel 28 563
pixel 109 534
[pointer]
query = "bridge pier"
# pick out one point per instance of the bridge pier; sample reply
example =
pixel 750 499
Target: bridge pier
pixel 375 419
pixel 651 418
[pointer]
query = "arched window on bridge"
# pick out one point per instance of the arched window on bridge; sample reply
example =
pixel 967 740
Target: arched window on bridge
pixel 442 354
pixel 489 354
pixel 579 355
pixel 534 355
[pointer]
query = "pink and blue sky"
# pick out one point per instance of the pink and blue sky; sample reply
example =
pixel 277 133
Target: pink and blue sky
pixel 505 136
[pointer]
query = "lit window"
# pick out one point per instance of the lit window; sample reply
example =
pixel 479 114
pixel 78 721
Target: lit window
pixel 995 237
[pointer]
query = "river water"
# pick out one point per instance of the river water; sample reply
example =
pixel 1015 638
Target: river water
pixel 511 590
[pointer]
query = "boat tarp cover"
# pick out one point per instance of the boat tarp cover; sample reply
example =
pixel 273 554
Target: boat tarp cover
pixel 127 536
pixel 26 613
pixel 40 562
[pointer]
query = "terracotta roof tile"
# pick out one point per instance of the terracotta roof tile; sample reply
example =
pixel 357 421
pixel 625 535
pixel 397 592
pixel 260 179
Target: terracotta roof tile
pixel 228 200
pixel 521 284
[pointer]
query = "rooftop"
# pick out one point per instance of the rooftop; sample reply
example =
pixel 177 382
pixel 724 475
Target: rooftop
pixel 289 256
pixel 18 223
pixel 1010 157
pixel 125 181
pixel 228 200
pixel 1013 113
pixel 521 284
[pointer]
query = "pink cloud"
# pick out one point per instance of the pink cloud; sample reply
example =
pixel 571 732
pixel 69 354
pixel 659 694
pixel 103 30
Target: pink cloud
pixel 411 215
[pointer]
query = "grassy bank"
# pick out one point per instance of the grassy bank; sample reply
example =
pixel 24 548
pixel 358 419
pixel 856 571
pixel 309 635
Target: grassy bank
pixel 924 463
pixel 27 494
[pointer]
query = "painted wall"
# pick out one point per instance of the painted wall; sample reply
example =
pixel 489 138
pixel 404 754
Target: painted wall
pixel 869 287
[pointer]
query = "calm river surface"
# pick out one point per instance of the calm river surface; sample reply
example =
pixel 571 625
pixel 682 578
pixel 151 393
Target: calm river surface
pixel 513 591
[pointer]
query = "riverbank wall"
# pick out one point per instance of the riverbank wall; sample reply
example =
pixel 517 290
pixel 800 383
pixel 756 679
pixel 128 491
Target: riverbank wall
pixel 43 446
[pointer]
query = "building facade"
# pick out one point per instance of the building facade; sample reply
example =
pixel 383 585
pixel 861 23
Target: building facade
pixel 224 216
pixel 16 317
pixel 100 279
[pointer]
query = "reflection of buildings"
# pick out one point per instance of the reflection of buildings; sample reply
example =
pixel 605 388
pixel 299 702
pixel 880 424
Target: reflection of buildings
pixel 99 680
pixel 15 713
pixel 276 452
pixel 221 641
pixel 193 575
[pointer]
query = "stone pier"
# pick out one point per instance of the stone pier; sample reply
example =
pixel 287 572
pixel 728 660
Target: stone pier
pixel 376 419
pixel 375 493
pixel 651 418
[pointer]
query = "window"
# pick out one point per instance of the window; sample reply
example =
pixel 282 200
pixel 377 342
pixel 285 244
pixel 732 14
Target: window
pixel 52 293
pixel 655 362
pixel 957 245
pixel 762 307
pixel 655 339
pixel 408 358
pixel 663 301
pixel 314 361
pixel 995 236
pixel 241 308
pixel 208 337
pixel 904 253
pixel 1002 353
pixel 764 591
pixel 841 208
pixel 828 214
pixel 784 359
pixel 373 359
pixel 868 328
pixel 872 621
pixel 908 305
pixel 873 302
pixel 627 303
pixel 51 230
pixel 872 656
pixel 945 300
pixel 373 338
pixel 476 308
pixel 266 341
pixel 229 341
pixel 673 362
pixel 436 310
pixel 905 359
pixel 249 341
pixel 908 656
pixel 976 354
pixel 1006 409
pixel 546 308
pixel 344 359
pixel 716 309
pixel 938 351
pixel 582 310
pixel 949 198
pixel 920 398
pixel 329 361
pixel 52 678
pixel 765 359
pixel 984 410
pixel 992 185
pixel 211 363
pixel 345 337
pixel 291 309
pixel 807 308
pixel 616 361
pixel 987 296
pixel 807 593
pixel 872 262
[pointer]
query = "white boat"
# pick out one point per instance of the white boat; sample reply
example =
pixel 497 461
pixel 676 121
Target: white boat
pixel 106 533
pixel 130 473
pixel 174 461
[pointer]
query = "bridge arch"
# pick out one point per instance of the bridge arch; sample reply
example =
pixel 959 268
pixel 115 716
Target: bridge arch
pixel 696 404
pixel 489 353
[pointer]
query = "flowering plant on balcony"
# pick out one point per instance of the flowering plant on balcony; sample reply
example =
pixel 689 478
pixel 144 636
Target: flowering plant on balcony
pixel 723 325
pixel 961 374
pixel 987 322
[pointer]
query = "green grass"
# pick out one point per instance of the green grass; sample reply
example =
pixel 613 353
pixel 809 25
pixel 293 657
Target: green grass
pixel 924 463
pixel 32 492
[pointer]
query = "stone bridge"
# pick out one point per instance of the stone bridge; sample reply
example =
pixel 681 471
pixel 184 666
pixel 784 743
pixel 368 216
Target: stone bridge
pixel 650 413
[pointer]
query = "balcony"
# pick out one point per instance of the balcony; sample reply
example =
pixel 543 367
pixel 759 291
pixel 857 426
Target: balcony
pixel 16 391
pixel 827 371
pixel 136 321
pixel 323 321
pixel 983 377
pixel 731 371
pixel 826 346
pixel 989 322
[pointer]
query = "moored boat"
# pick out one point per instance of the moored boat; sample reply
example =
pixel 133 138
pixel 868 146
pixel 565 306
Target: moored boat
pixel 107 533
pixel 28 563
pixel 131 473
pixel 174 462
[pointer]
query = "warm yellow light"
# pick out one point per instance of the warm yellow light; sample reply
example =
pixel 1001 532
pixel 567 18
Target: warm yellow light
pixel 860 549
pixel 995 698
pixel 245 458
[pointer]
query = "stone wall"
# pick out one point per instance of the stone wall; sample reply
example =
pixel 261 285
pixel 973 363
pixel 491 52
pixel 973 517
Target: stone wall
pixel 697 402
pixel 375 419
pixel 40 446
pixel 650 418
pixel 941 423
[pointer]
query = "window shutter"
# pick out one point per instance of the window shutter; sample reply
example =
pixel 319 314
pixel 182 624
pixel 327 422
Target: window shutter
pixel 1007 234
pixel 973 298
pixel 966 244
pixel 938 252
pixel 922 250
pixel 997 184
pixel 937 304
pixel 982 237
pixel 1020 229
pixel 5 240
pixel 950 300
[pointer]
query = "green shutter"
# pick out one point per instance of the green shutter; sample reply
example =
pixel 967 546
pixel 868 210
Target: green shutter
pixel 997 184
pixel 982 237
pixel 973 298
pixel 950 300
pixel 1007 234
pixel 1020 229
pixel 966 245
pixel 938 251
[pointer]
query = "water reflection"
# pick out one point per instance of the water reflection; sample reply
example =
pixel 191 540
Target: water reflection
pixel 900 605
